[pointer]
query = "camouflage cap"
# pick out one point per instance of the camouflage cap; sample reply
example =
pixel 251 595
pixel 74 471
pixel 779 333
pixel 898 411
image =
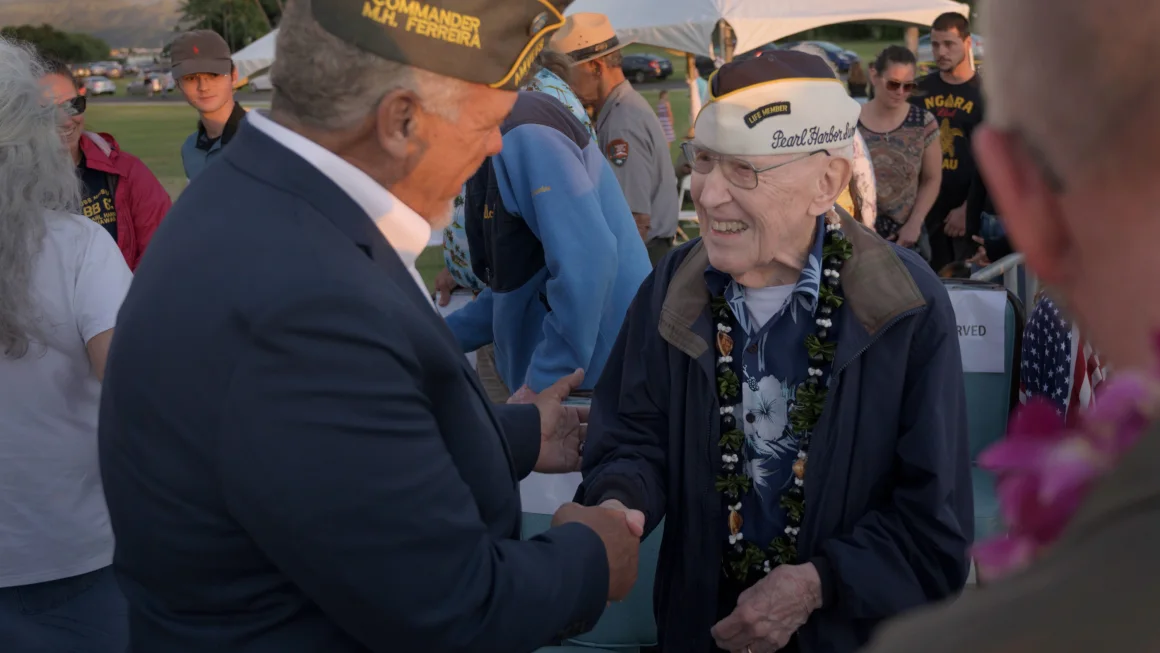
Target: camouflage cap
pixel 490 42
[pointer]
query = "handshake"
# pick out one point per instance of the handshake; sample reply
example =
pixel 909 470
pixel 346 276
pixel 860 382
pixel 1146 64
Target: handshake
pixel 620 529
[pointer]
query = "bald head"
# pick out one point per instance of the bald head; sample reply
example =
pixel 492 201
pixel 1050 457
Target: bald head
pixel 1072 76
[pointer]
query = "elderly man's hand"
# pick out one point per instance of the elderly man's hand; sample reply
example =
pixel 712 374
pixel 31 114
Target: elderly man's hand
pixel 562 428
pixel 770 612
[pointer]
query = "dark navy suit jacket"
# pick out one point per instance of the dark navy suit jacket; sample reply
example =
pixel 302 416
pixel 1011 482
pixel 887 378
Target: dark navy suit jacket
pixel 296 455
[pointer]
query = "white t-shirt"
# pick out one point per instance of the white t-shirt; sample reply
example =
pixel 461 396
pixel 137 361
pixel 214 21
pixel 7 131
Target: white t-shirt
pixel 53 519
pixel 764 303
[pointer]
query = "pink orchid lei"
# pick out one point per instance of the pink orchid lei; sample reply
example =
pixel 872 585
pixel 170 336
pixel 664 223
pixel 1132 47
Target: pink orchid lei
pixel 1045 469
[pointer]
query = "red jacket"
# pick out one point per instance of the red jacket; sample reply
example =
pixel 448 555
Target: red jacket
pixel 141 201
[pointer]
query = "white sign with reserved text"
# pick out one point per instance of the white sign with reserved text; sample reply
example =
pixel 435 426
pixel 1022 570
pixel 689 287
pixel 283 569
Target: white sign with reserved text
pixel 980 317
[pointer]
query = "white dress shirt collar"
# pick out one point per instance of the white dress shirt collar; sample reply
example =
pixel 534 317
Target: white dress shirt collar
pixel 406 231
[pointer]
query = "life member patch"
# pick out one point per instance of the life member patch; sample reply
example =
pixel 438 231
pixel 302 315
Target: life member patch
pixel 753 118
pixel 617 152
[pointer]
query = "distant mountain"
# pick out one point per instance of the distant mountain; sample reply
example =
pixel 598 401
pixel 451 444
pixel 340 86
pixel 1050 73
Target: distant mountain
pixel 121 23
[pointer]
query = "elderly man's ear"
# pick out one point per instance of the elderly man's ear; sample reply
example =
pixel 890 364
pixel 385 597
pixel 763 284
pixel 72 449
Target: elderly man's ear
pixel 834 179
pixel 398 123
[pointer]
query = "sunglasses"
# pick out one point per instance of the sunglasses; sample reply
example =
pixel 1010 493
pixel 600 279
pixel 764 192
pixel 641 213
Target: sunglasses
pixel 892 85
pixel 738 172
pixel 74 107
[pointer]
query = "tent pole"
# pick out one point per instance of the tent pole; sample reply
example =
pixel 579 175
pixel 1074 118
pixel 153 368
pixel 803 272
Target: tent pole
pixel 691 75
pixel 911 39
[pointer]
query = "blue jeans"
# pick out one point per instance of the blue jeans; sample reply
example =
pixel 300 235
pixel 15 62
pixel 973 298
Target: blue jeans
pixel 81 614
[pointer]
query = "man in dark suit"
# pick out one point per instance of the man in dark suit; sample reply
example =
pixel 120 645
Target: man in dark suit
pixel 295 454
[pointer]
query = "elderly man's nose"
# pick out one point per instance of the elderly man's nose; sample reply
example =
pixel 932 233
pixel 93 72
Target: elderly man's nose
pixel 714 189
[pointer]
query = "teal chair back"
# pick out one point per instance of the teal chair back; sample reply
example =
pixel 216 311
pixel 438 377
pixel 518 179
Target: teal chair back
pixel 628 625
pixel 989 401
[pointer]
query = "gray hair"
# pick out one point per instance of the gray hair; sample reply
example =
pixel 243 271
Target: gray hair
pixel 36 178
pixel 326 83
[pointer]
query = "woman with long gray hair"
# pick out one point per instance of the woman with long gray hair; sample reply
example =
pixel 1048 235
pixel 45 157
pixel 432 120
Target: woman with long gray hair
pixel 62 280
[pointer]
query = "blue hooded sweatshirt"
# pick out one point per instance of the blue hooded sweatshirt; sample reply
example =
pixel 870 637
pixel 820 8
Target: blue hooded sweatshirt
pixel 552 236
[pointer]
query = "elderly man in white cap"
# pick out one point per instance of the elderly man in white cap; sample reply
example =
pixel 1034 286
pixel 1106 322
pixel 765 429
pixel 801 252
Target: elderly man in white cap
pixel 800 420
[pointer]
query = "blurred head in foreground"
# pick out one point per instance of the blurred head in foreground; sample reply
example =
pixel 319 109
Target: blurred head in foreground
pixel 1069 156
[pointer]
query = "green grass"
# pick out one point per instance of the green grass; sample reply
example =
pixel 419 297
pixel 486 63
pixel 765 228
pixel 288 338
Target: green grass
pixel 153 134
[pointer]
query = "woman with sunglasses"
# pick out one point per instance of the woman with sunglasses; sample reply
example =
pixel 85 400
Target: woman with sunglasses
pixel 904 144
pixel 118 191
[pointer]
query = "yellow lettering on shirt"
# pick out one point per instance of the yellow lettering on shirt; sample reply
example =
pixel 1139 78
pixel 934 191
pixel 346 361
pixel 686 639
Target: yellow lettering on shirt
pixel 424 20
pixel 488 213
pixel 541 190
pixel 100 208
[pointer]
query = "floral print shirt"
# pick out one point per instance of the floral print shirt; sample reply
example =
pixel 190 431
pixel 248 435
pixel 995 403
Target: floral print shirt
pixel 771 361
pixel 455 251
pixel 897 157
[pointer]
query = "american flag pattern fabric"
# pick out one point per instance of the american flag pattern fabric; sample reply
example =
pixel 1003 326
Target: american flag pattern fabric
pixel 1058 365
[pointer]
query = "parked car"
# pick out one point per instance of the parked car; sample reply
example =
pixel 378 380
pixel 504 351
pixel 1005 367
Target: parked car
pixel 149 85
pixel 839 56
pixel 261 84
pixel 80 70
pixel 99 85
pixel 640 68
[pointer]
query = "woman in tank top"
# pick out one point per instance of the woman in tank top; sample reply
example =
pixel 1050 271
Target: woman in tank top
pixel 904 146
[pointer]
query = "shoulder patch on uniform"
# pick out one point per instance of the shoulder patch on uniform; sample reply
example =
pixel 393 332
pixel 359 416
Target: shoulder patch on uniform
pixel 617 151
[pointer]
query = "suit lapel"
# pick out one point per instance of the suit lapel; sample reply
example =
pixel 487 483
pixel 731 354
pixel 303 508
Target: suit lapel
pixel 256 154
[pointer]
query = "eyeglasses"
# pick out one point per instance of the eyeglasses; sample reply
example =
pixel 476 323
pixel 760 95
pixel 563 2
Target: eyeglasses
pixel 736 171
pixel 893 85
pixel 74 107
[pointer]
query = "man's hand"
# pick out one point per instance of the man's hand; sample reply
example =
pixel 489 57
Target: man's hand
pixel 635 517
pixel 980 257
pixel 562 428
pixel 909 234
pixel 643 221
pixel 770 612
pixel 445 285
pixel 523 396
pixel 956 222
pixel 621 545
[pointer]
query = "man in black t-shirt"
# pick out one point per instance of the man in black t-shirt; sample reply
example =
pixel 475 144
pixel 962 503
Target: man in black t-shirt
pixel 954 95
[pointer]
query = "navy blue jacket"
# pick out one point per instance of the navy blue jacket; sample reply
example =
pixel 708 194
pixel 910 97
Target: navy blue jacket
pixel 889 509
pixel 295 453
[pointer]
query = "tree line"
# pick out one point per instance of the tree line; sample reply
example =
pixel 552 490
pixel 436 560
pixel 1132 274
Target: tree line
pixel 69 47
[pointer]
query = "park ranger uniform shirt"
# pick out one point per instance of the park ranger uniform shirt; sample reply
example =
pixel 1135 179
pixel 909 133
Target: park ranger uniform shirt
pixel 633 141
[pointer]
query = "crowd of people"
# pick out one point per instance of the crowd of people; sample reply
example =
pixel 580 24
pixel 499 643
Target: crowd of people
pixel 238 422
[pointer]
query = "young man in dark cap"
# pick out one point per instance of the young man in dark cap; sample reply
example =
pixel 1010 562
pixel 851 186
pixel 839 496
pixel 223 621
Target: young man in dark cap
pixel 295 453
pixel 205 73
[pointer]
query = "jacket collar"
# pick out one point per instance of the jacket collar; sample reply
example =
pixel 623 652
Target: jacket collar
pixel 273 164
pixel 99 153
pixel 876 284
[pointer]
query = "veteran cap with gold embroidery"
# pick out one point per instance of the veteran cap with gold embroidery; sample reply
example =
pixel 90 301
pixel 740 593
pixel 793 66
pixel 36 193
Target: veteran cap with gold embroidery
pixel 490 42
pixel 782 103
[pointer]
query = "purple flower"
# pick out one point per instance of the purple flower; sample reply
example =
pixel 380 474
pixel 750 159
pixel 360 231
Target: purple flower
pixel 1045 470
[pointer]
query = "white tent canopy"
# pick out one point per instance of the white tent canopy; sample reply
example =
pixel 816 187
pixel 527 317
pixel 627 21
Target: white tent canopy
pixel 687 25
pixel 256 56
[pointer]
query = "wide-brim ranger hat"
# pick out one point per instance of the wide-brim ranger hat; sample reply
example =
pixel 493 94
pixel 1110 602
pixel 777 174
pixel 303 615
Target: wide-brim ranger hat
pixel 782 103
pixel 587 36
pixel 490 42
